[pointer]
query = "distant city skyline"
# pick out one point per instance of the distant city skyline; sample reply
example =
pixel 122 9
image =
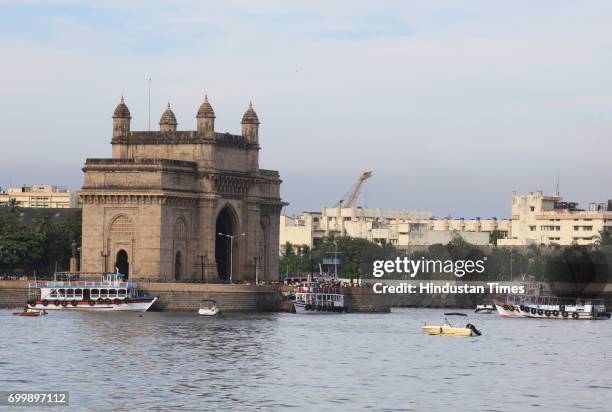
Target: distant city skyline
pixel 452 106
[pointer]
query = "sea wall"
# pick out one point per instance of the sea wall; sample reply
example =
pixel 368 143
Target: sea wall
pixel 230 298
pixel 13 293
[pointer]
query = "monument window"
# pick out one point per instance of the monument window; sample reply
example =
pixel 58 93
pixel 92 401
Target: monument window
pixel 122 227
pixel 180 230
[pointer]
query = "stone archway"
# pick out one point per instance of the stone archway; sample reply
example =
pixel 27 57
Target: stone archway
pixel 120 244
pixel 225 257
pixel 122 263
pixel 181 238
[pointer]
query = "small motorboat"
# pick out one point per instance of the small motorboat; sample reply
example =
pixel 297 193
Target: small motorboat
pixel 484 308
pixel 450 330
pixel 208 307
pixel 31 313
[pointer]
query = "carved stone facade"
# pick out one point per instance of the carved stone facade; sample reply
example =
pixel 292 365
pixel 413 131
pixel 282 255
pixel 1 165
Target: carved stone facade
pixel 181 205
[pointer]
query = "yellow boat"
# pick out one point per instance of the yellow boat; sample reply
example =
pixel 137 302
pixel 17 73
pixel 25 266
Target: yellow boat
pixel 447 330
pixel 450 330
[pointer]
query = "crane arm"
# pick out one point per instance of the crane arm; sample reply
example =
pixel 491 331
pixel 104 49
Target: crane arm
pixel 353 193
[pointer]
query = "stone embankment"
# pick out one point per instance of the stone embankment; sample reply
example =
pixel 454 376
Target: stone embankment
pixel 231 298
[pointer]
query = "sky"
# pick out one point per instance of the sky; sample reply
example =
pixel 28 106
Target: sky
pixel 451 105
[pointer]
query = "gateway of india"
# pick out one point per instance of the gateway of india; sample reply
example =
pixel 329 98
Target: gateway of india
pixel 176 205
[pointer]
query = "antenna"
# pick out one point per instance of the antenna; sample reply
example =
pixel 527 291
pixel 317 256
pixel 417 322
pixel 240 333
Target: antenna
pixel 149 104
pixel 557 187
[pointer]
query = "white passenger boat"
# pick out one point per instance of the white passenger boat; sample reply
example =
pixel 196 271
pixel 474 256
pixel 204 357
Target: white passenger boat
pixel 208 307
pixel 542 304
pixel 110 292
pixel 314 298
pixel 564 308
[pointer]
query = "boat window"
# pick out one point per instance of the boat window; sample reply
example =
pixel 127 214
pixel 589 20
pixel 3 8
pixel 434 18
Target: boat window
pixel 122 293
pixel 53 293
pixel 112 293
pixel 78 291
pixel 103 292
pixel 69 293
pixel 94 293
pixel 61 293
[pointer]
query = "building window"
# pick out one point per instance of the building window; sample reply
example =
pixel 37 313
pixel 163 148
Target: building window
pixel 532 208
pixel 180 230
pixel 532 228
pixel 576 228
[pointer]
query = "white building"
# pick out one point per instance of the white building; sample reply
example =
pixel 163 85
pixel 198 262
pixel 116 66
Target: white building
pixel 40 196
pixel 546 220
pixel 400 228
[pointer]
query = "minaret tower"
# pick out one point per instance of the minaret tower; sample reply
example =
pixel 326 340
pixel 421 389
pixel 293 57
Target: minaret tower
pixel 206 119
pixel 167 123
pixel 121 120
pixel 250 125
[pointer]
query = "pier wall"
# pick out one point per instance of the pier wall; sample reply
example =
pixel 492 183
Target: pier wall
pixel 230 298
pixel 13 293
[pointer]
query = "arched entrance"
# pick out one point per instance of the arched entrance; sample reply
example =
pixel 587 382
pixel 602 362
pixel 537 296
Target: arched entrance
pixel 223 254
pixel 178 266
pixel 122 264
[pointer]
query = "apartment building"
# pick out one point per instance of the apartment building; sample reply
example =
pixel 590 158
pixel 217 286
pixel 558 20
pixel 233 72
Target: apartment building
pixel 547 219
pixel 40 196
pixel 401 228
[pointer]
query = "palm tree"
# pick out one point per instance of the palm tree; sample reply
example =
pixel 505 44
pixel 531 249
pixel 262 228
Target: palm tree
pixel 604 238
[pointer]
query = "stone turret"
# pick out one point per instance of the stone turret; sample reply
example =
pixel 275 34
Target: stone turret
pixel 206 119
pixel 168 123
pixel 121 120
pixel 250 125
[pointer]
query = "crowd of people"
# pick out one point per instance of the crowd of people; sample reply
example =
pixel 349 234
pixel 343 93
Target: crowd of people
pixel 15 277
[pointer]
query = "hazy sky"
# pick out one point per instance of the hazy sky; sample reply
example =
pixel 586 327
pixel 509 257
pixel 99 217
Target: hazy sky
pixel 452 105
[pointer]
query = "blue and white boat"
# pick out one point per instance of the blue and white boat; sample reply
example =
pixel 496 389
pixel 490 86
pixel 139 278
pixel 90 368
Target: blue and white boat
pixel 111 292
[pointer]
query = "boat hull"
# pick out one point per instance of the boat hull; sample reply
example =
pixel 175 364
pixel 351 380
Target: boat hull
pixel 33 313
pixel 302 310
pixel 509 311
pixel 134 305
pixel 209 312
pixel 539 313
pixel 485 310
pixel 446 330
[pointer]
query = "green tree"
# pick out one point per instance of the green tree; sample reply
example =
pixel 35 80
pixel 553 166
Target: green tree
pixel 604 238
pixel 288 249
pixel 494 236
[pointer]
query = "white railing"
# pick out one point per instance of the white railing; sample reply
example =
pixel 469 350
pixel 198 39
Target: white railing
pixel 76 283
